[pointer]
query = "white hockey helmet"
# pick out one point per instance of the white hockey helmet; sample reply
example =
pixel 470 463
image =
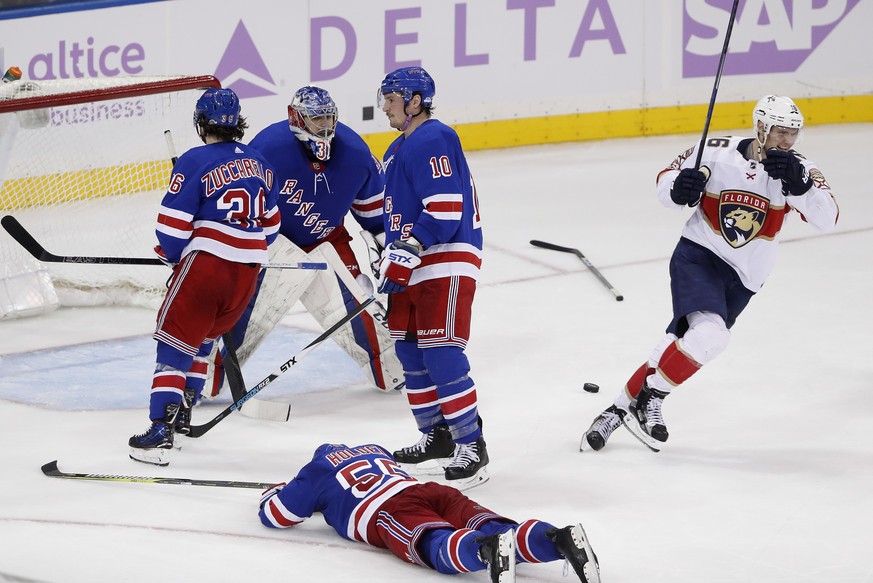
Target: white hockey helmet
pixel 776 110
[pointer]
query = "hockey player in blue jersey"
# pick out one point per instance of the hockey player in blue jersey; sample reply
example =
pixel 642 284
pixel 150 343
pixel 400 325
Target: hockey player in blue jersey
pixel 430 266
pixel 214 224
pixel 324 171
pixel 366 496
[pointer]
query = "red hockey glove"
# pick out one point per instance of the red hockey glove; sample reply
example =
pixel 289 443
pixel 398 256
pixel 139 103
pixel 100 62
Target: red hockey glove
pixel 159 251
pixel 398 260
pixel 270 492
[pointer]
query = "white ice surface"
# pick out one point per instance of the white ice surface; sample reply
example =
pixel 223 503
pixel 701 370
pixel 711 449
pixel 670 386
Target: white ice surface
pixel 767 476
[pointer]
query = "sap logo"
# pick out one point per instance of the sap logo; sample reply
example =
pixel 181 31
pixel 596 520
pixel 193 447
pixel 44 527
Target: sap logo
pixel 241 67
pixel 768 36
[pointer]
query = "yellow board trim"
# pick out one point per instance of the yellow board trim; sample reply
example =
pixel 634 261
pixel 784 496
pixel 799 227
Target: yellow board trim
pixel 85 184
pixel 633 123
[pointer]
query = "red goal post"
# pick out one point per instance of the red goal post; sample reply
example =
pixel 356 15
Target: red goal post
pixel 83 166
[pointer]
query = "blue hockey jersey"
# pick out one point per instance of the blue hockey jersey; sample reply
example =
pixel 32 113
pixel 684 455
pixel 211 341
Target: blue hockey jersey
pixel 221 199
pixel 315 196
pixel 430 194
pixel 346 484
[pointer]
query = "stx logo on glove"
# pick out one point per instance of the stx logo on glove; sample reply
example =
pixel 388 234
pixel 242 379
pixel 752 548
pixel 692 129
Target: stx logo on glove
pixel 400 258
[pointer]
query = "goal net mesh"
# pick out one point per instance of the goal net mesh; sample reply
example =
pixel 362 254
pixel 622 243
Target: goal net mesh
pixel 84 164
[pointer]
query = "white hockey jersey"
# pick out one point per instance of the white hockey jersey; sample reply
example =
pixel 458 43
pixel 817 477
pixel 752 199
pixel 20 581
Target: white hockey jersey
pixel 742 212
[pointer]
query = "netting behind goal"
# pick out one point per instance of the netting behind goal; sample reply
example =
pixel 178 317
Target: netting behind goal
pixel 83 166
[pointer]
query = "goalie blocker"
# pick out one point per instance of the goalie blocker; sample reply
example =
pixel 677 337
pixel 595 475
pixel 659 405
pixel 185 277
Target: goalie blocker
pixel 328 296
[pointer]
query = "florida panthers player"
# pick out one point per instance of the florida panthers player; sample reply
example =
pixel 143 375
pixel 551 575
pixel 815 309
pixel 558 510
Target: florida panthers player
pixel 746 189
pixel 214 224
pixel 324 170
pixel 430 266
pixel 365 496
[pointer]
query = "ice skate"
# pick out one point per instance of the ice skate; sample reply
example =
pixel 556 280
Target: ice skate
pixel 470 466
pixel 154 445
pixel 433 452
pixel 498 551
pixel 182 425
pixel 573 545
pixel 602 427
pixel 645 421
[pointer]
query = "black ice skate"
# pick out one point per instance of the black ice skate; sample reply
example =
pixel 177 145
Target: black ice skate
pixel 573 545
pixel 498 551
pixel 153 446
pixel 602 427
pixel 182 425
pixel 645 421
pixel 470 466
pixel 432 453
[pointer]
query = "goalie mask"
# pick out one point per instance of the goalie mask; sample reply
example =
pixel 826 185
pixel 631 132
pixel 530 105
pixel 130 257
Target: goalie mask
pixel 775 110
pixel 312 116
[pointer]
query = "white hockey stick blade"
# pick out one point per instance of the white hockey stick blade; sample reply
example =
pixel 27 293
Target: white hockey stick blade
pixel 266 410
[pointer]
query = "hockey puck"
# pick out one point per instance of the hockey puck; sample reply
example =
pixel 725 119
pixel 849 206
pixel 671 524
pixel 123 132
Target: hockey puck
pixel 591 387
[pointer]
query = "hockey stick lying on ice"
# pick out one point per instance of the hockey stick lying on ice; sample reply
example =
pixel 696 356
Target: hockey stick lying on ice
pixel 199 430
pixel 553 247
pixel 51 470
pixel 255 408
pixel 26 240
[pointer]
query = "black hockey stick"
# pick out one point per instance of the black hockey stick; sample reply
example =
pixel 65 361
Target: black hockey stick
pixel 724 50
pixel 51 470
pixel 26 240
pixel 588 264
pixel 199 430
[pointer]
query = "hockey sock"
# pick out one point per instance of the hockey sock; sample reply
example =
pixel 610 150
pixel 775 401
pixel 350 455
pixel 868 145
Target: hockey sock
pixel 420 389
pixel 452 551
pixel 168 386
pixel 448 367
pixel 532 545
pixel 674 368
pixel 634 385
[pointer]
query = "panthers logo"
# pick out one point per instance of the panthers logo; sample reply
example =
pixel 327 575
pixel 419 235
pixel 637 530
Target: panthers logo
pixel 742 216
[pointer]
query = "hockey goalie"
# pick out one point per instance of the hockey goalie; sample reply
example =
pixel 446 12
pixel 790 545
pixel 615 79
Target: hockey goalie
pixel 326 171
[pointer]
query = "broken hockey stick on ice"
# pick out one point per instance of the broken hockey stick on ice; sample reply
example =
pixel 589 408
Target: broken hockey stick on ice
pixel 199 430
pixel 26 240
pixel 51 470
pixel 591 268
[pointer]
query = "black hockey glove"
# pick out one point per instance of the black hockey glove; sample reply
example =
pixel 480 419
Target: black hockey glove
pixel 688 187
pixel 785 166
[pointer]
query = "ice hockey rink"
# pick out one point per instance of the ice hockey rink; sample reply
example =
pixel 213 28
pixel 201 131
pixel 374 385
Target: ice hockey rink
pixel 766 477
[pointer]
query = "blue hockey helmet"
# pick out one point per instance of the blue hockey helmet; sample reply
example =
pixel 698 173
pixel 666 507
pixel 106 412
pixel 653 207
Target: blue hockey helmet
pixel 312 116
pixel 217 107
pixel 407 81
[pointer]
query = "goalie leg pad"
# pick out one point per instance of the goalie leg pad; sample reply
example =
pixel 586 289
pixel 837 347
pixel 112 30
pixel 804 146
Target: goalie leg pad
pixel 277 290
pixel 331 296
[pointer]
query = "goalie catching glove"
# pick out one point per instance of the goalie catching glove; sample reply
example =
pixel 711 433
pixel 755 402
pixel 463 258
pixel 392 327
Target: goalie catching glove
pixel 398 260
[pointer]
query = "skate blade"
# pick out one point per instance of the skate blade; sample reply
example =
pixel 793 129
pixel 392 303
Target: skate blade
pixel 591 568
pixel 435 467
pixel 643 437
pixel 476 479
pixel 157 456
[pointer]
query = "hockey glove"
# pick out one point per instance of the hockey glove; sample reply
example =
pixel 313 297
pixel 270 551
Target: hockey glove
pixel 785 166
pixel 688 187
pixel 270 492
pixel 398 260
pixel 159 251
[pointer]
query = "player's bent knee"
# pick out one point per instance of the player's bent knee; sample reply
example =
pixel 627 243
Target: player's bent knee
pixel 706 338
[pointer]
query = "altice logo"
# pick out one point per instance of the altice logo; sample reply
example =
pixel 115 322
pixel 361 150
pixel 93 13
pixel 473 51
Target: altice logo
pixel 241 67
pixel 75 60
pixel 769 36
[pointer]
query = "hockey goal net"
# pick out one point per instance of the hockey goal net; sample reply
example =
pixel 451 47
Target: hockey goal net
pixel 84 164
